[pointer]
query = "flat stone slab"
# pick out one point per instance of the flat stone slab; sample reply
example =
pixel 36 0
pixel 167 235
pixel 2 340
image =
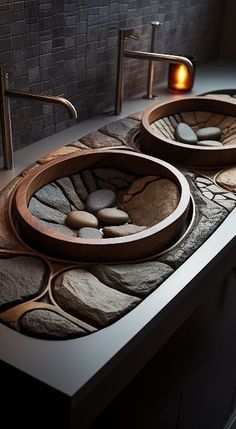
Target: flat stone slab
pixel 122 230
pixel 227 179
pixel 96 140
pixel 80 188
pixel 21 278
pixel 52 196
pixel 150 206
pixel 116 177
pixel 136 279
pixel 58 153
pixel 209 216
pixel 48 324
pixel 83 295
pixel 67 186
pixel 41 211
pixel 121 129
pixel 209 143
pixel 63 229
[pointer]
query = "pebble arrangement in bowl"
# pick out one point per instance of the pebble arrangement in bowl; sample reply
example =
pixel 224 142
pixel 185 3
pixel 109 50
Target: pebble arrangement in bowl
pixel 195 131
pixel 103 205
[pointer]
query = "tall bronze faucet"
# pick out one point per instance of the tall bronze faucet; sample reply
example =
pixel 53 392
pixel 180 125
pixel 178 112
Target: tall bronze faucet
pixel 5 112
pixel 124 35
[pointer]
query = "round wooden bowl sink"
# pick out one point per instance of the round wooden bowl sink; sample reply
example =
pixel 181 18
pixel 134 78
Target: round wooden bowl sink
pixel 197 112
pixel 131 247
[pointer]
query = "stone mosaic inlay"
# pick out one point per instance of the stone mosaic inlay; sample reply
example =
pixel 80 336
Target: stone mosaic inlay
pixel 56 300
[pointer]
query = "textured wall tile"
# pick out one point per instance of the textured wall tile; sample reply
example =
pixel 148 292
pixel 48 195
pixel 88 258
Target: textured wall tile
pixel 69 47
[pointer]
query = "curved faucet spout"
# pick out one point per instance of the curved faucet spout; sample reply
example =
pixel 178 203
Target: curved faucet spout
pixel 153 56
pixel 45 99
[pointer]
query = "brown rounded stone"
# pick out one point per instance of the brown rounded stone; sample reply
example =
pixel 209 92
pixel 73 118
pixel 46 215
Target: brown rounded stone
pixel 100 199
pixel 79 219
pixel 112 216
pixel 87 232
pixel 227 179
pixel 122 230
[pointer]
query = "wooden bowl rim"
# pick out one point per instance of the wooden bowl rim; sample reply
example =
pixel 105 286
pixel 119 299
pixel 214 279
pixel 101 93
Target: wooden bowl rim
pixel 149 113
pixel 22 197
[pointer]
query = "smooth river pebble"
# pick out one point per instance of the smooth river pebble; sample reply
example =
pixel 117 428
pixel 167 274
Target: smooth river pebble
pixel 78 219
pixel 100 199
pixel 185 134
pixel 209 133
pixel 89 233
pixel 112 216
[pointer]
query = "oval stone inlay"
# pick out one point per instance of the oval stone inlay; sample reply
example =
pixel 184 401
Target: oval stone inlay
pixel 79 219
pixel 21 278
pixel 209 133
pixel 48 324
pixel 185 134
pixel 227 179
pixel 82 294
pixel 100 199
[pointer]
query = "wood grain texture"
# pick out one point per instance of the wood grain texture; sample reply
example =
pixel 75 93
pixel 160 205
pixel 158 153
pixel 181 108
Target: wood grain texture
pixel 180 153
pixel 127 248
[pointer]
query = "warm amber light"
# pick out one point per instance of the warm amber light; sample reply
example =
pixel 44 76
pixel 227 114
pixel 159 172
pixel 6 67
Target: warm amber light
pixel 179 78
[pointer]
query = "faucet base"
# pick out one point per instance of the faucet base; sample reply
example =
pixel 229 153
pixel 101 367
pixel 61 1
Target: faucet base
pixel 150 97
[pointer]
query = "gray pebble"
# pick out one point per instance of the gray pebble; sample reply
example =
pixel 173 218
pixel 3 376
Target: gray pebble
pixel 185 134
pixel 210 143
pixel 100 199
pixel 112 216
pixel 87 232
pixel 209 133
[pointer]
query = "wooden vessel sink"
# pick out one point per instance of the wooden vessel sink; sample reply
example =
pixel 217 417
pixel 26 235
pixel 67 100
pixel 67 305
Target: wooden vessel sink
pixel 197 112
pixel 127 248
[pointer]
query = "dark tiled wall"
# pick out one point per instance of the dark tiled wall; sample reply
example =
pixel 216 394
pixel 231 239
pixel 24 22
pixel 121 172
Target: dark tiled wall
pixel 68 47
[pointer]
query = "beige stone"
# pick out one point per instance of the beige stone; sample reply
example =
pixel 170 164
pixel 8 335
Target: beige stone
pixel 157 201
pixel 227 179
pixel 79 219
pixel 96 140
pixel 62 151
pixel 122 230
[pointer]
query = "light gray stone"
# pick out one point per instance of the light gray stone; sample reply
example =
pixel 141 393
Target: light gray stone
pixel 92 233
pixel 79 186
pixel 122 230
pixel 112 216
pixel 209 133
pixel 137 279
pixel 83 295
pixel 100 199
pixel 209 143
pixel 52 196
pixel 204 180
pixel 41 211
pixel 208 195
pixel 63 229
pixel 49 325
pixel 79 219
pixel 67 186
pixel 21 278
pixel 185 134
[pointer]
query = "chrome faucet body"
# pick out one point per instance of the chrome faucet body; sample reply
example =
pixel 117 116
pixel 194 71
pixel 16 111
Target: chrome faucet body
pixel 5 94
pixel 149 56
